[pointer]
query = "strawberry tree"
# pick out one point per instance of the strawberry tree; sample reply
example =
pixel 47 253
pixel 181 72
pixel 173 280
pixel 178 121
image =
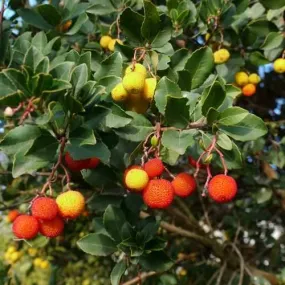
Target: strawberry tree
pixel 137 124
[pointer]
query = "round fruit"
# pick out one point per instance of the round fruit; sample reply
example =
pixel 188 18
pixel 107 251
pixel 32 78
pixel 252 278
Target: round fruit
pixel 93 163
pixel 104 41
pixel 135 98
pixel 139 106
pixel 71 204
pixel 44 208
pixel 133 82
pixel 254 78
pixel 119 93
pixel 138 68
pixel 221 56
pixel 184 185
pixel 222 188
pixel 193 162
pixel 65 26
pixel 111 45
pixel 44 264
pixel 158 194
pixel 52 228
pixel 279 65
pixel 149 88
pixel 127 170
pixel 207 37
pixel 154 141
pixel 25 227
pixel 248 90
pixel 37 261
pixel 241 78
pixel 11 249
pixel 75 165
pixel 154 167
pixel 15 256
pixel 32 251
pixel 12 215
pixel 8 112
pixel 136 179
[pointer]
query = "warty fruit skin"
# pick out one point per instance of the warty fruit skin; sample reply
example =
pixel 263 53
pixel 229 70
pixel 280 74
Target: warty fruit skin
pixel 119 93
pixel 254 78
pixel 133 82
pixel 279 65
pixel 241 78
pixel 112 43
pixel 71 204
pixel 52 228
pixel 158 194
pixel 127 170
pixel 25 227
pixel 154 167
pixel 222 188
pixel 138 68
pixel 221 56
pixel 149 88
pixel 184 185
pixel 12 215
pixel 249 90
pixel 104 41
pixel 44 208
pixel 136 179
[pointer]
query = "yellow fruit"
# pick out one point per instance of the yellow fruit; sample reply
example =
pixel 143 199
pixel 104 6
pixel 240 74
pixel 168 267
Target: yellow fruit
pixel 71 204
pixel 149 88
pixel 11 249
pixel 44 264
pixel 221 56
pixel 138 68
pixel 279 65
pixel 32 251
pixel 134 97
pixel 134 82
pixel 207 36
pixel 111 45
pixel 241 78
pixel 139 106
pixel 136 179
pixel 86 282
pixel 119 93
pixel 15 256
pixel 104 41
pixel 254 78
pixel 37 261
pixel 7 256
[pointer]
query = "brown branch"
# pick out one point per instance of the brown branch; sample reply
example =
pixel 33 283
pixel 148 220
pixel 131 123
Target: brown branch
pixel 142 277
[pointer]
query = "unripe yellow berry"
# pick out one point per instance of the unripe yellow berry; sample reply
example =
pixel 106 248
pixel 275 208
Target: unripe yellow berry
pixel 15 256
pixel 138 68
pixel 136 179
pixel 139 106
pixel 221 56
pixel 254 78
pixel 44 264
pixel 11 249
pixel 207 36
pixel 241 78
pixel 111 45
pixel 37 261
pixel 104 41
pixel 149 88
pixel 119 93
pixel 279 65
pixel 133 82
pixel 32 251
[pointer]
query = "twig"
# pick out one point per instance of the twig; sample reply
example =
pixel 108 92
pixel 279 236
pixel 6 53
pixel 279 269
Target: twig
pixel 221 274
pixel 142 277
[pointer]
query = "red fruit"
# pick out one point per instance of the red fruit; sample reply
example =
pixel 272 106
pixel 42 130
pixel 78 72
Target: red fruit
pixel 154 167
pixel 76 165
pixel 222 188
pixel 193 162
pixel 25 227
pixel 184 185
pixel 12 215
pixel 127 170
pixel 93 162
pixel 158 194
pixel 52 228
pixel 44 208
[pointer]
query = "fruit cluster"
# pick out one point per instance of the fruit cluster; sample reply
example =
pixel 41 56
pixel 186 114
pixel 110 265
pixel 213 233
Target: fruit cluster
pixel 78 165
pixel 41 263
pixel 47 215
pixel 279 65
pixel 12 255
pixel 108 43
pixel 12 215
pixel 221 56
pixel 247 82
pixel 136 90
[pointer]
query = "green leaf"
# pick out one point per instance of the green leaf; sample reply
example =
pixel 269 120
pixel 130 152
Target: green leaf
pixel 250 128
pixel 133 30
pixel 117 118
pixel 224 142
pixel 156 261
pixel 178 141
pixel 163 37
pixel 179 59
pixel 200 65
pixel 112 65
pixel 50 14
pixel 97 244
pixel 117 272
pixel 83 18
pixel 4 44
pixel 257 58
pixel 114 220
pixel 232 116
pixel 232 157
pixel 62 71
pixel 151 22
pixel 273 40
pixel 213 97
pixel 82 136
pixel 165 87
pixel 33 57
pixel 101 7
pixel 273 4
pixel 79 77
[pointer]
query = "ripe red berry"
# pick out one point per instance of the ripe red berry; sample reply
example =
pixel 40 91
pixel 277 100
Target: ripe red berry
pixel 44 208
pixel 184 185
pixel 75 165
pixel 158 194
pixel 52 228
pixel 12 215
pixel 25 227
pixel 222 188
pixel 154 167
pixel 193 162
pixel 93 162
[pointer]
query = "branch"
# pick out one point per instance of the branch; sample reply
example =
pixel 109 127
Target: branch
pixel 142 277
